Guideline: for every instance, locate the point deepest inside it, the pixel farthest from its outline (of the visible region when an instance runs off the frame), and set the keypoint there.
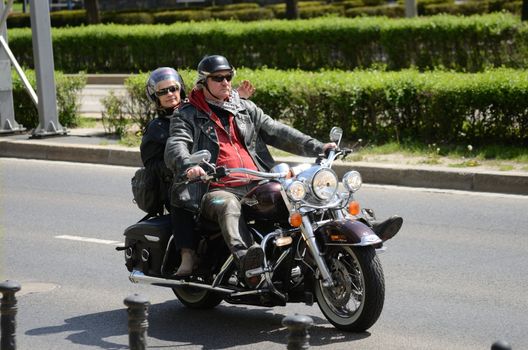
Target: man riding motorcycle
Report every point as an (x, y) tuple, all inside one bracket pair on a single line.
[(236, 133)]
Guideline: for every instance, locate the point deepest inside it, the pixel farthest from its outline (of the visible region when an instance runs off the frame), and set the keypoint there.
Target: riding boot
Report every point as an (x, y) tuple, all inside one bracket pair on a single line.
[(187, 263)]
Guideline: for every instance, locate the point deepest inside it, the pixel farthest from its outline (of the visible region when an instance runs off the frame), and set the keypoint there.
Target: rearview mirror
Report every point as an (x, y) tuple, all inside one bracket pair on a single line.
[(335, 134)]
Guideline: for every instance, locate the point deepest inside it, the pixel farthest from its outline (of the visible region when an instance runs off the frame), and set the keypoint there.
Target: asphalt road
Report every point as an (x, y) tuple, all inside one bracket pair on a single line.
[(456, 275)]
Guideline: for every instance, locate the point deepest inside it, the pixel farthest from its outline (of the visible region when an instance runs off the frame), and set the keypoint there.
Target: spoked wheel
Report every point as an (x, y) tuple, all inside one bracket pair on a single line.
[(196, 298), (355, 302)]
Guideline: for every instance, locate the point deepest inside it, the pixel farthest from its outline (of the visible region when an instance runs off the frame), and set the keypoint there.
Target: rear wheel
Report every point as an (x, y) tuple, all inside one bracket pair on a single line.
[(197, 298), (355, 302)]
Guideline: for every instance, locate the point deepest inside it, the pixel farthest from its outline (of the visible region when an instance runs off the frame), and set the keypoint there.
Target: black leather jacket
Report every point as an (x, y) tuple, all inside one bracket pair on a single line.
[(192, 130), (152, 150)]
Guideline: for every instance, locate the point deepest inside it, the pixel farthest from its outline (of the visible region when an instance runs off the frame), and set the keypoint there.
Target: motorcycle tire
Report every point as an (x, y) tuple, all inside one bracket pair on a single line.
[(196, 298), (356, 300)]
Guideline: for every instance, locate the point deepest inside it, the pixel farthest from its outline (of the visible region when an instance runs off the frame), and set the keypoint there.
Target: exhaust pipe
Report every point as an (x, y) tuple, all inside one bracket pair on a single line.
[(139, 277)]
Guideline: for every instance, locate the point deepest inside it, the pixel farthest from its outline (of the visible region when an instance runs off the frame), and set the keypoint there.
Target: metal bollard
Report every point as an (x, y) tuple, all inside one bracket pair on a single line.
[(8, 310), (501, 345), (137, 321), (298, 337)]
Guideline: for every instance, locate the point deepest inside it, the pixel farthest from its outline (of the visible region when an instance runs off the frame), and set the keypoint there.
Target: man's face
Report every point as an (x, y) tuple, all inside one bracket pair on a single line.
[(168, 93), (219, 84)]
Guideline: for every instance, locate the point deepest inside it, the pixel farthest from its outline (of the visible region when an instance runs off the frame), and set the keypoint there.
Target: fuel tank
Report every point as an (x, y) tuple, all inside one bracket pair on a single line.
[(264, 203)]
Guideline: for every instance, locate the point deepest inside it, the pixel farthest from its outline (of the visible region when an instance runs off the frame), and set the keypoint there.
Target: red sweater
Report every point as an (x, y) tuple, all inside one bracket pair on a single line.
[(232, 152)]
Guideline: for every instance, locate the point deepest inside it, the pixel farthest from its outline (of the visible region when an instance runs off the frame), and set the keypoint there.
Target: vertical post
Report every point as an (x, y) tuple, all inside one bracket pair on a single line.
[(44, 69), (7, 109), (410, 8), (8, 309), (501, 345), (137, 321), (298, 337)]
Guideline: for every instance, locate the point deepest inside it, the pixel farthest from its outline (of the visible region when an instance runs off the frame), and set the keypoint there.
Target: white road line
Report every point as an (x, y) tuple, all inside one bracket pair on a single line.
[(89, 240)]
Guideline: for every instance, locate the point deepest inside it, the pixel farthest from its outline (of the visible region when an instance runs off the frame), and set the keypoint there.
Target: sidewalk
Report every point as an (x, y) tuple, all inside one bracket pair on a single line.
[(93, 146)]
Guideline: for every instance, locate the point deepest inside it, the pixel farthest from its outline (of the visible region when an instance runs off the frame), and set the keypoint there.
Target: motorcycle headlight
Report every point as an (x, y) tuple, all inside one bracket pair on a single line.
[(324, 184), (352, 181), (296, 191)]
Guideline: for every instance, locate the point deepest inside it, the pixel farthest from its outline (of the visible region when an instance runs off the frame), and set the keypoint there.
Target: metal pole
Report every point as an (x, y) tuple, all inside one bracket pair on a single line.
[(137, 321), (410, 8), (298, 337), (8, 309), (44, 69), (25, 81), (8, 7), (7, 109)]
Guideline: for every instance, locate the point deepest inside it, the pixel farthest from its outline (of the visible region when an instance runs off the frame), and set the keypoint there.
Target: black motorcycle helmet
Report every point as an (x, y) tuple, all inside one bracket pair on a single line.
[(160, 74), (212, 64)]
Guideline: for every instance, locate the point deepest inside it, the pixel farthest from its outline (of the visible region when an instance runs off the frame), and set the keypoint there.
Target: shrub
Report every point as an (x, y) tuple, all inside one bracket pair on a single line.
[(374, 2), (68, 90), (235, 7), (351, 4), (459, 43), (65, 18), (113, 117), (170, 17), (127, 17), (392, 11), (465, 9), (139, 108), (243, 15), (489, 107), (514, 6)]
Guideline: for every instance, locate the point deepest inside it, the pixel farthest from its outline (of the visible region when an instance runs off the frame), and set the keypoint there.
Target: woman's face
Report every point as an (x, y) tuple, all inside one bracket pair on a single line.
[(168, 93)]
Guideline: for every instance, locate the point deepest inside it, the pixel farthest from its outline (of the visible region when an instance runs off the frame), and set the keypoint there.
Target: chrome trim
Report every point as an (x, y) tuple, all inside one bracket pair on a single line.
[(139, 277), (218, 279), (309, 237), (326, 206), (381, 249), (152, 238), (145, 255), (261, 174)]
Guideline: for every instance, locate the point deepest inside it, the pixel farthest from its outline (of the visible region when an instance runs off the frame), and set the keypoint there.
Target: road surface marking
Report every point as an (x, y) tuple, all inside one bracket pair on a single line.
[(89, 240)]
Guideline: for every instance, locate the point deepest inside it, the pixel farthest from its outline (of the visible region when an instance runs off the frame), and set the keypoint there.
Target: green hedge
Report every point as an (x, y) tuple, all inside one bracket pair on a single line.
[(68, 90), (254, 12), (393, 11), (459, 43), (441, 107)]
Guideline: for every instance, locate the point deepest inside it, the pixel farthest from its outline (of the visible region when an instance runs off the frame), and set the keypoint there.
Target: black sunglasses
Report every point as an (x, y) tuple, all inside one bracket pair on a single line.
[(220, 78), (165, 91)]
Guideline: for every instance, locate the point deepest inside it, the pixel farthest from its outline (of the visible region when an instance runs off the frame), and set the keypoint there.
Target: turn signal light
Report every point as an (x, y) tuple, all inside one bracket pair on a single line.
[(295, 219), (353, 208)]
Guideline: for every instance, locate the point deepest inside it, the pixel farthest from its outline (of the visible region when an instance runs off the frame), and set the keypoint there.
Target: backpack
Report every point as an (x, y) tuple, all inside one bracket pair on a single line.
[(147, 191)]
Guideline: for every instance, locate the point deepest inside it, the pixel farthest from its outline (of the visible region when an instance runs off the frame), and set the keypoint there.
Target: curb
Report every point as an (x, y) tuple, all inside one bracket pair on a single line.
[(443, 178), (107, 155)]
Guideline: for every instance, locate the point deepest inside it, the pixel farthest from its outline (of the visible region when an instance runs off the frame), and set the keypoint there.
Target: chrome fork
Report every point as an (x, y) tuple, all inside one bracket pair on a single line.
[(309, 237)]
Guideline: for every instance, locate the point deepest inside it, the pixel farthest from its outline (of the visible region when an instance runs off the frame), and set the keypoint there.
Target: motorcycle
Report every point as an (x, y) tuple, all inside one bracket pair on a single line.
[(319, 246)]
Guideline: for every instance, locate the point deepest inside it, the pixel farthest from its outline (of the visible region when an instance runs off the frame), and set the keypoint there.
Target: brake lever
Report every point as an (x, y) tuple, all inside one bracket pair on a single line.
[(211, 175)]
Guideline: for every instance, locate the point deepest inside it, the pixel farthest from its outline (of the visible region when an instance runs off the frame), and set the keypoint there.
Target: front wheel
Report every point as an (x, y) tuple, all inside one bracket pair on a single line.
[(355, 301), (196, 298)]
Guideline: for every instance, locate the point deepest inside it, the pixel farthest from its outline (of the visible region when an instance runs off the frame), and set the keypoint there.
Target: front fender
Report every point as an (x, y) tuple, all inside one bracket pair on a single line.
[(346, 232)]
